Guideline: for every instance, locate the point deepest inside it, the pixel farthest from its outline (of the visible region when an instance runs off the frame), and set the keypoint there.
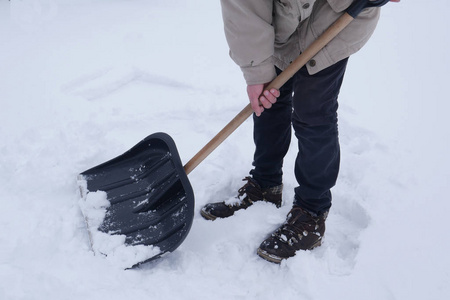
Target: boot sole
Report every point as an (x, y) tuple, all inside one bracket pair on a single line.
[(269, 257), (277, 259), (207, 215)]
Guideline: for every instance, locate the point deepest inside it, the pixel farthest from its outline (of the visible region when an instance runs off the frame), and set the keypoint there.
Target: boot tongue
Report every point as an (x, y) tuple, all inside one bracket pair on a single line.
[(298, 214)]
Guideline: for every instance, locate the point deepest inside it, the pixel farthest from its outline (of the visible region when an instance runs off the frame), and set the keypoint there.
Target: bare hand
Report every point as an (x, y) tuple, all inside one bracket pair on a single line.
[(261, 99)]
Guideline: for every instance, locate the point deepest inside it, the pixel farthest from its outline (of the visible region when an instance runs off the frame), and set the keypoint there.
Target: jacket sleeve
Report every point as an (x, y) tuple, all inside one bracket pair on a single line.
[(250, 36)]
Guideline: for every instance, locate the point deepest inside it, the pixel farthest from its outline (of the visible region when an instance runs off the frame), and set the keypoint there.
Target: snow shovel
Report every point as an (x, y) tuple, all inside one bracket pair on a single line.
[(149, 200)]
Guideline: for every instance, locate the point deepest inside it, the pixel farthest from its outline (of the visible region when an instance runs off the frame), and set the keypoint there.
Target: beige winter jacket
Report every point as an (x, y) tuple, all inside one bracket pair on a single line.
[(264, 33)]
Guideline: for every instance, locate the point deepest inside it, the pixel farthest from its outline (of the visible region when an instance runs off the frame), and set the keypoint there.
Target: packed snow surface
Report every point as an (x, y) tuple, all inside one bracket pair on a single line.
[(83, 81)]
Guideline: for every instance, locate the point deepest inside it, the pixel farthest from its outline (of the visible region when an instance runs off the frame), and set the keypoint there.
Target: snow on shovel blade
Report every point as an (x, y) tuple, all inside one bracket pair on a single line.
[(149, 198)]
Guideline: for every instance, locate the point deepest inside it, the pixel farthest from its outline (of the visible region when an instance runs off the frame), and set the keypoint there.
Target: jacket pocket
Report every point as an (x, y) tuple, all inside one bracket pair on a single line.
[(346, 43)]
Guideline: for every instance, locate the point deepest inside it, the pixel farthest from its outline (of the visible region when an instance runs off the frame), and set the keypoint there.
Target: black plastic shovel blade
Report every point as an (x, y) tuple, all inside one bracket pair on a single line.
[(151, 199)]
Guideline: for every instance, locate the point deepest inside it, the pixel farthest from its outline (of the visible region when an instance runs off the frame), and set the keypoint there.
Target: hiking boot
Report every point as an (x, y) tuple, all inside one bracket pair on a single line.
[(247, 195), (301, 231)]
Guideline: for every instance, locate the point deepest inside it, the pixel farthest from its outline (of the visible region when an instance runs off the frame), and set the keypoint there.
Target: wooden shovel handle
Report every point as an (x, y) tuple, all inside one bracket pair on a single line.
[(277, 83)]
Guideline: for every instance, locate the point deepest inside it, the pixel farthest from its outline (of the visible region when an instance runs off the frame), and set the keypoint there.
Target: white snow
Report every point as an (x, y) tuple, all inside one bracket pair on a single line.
[(93, 206), (83, 81)]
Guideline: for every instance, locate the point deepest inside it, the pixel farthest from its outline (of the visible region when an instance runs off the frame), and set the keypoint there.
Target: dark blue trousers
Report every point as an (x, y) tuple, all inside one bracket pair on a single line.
[(309, 103)]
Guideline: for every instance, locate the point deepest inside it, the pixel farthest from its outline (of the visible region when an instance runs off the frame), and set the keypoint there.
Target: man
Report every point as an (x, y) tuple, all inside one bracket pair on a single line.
[(264, 36)]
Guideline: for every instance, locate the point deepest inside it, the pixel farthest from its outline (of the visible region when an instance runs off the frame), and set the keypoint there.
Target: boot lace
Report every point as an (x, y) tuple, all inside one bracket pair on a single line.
[(299, 224)]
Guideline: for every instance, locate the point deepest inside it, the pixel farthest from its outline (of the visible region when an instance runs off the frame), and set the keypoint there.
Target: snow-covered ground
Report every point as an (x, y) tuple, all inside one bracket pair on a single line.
[(83, 81)]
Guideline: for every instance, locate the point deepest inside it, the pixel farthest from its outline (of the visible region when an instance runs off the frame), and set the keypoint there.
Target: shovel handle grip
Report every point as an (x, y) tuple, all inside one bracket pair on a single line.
[(282, 78), (357, 6)]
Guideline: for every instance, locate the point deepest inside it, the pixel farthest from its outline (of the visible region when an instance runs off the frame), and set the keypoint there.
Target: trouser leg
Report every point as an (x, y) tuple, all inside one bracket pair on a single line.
[(315, 124), (272, 136)]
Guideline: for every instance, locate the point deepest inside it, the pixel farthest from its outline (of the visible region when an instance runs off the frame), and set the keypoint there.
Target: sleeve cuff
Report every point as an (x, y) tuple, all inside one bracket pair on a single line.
[(260, 74)]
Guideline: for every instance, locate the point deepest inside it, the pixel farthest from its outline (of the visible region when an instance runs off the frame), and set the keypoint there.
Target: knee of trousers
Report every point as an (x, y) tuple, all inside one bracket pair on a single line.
[(307, 116)]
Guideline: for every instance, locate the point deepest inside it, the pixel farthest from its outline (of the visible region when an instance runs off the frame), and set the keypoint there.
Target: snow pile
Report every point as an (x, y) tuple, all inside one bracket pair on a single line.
[(112, 246)]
